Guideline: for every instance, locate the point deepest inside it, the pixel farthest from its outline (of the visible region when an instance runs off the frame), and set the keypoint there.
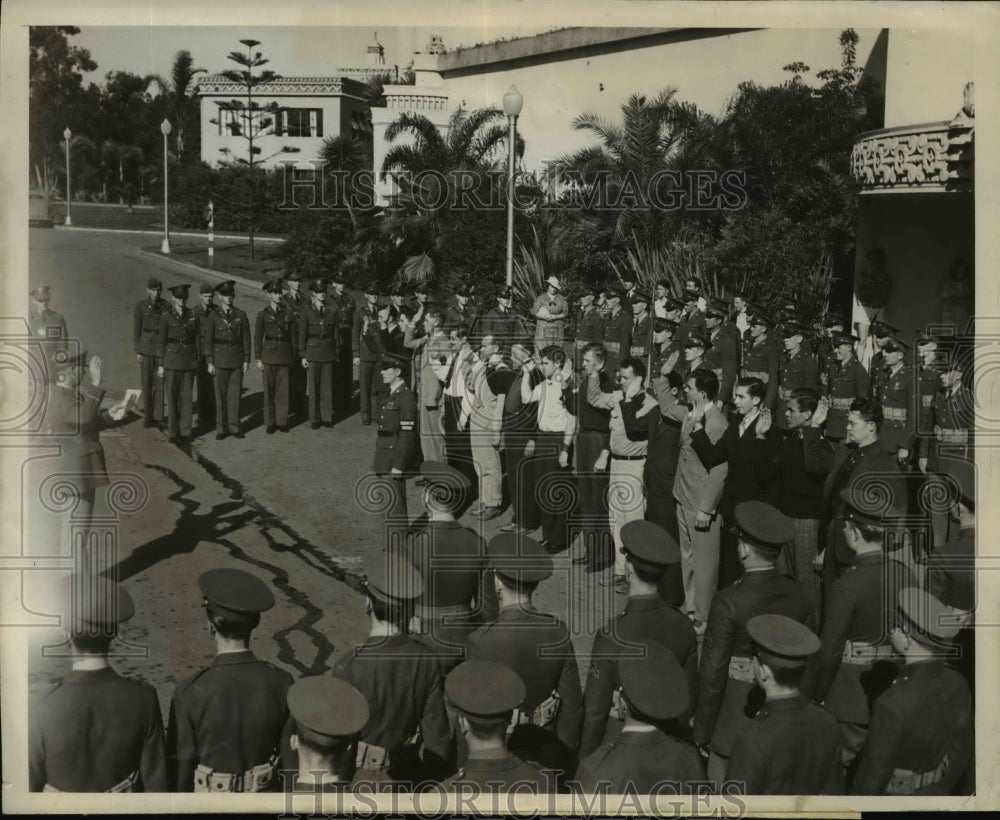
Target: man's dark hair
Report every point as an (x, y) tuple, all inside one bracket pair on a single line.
[(870, 533), (638, 366), (869, 410), (787, 676), (488, 728), (806, 399), (336, 747), (599, 351), (234, 628), (522, 587), (646, 573), (706, 382), (554, 353), (755, 387), (92, 644)]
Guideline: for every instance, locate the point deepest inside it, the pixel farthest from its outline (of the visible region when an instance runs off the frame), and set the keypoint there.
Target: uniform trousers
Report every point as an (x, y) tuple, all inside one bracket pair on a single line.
[(180, 391), (730, 568), (551, 485), (343, 379), (228, 388), (396, 515), (205, 385), (519, 481), (431, 433), (319, 377), (626, 500), (593, 490), (366, 381), (853, 736), (716, 770), (458, 447), (661, 508), (152, 389), (796, 559), (486, 460), (699, 561), (297, 386), (275, 379)]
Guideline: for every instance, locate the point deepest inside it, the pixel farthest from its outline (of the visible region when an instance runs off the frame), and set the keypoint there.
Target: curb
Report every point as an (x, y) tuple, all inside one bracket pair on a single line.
[(221, 276), (172, 233)]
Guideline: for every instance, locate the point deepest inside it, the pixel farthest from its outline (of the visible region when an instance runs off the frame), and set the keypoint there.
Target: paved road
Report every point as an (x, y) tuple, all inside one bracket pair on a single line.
[(284, 507)]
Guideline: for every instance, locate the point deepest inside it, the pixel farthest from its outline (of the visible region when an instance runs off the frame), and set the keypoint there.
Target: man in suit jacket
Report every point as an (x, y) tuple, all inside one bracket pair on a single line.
[(746, 453), (857, 457)]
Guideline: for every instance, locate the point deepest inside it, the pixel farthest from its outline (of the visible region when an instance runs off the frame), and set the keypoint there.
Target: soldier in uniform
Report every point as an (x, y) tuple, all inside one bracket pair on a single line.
[(226, 721), (696, 345), (364, 336), (855, 659), (723, 356), (554, 699), (651, 697), (641, 335), (228, 355), (847, 380), (407, 733), (692, 319), (484, 695), (204, 383), (792, 746), (397, 446), (96, 731), (319, 331), (296, 301), (647, 618), (458, 313), (726, 672), (898, 397), (617, 329), (798, 368), (833, 324), (589, 323), (664, 346), (178, 348), (145, 337), (327, 716), (881, 333), (343, 373), (761, 357), (49, 327), (433, 351), (451, 559), (505, 326), (274, 350), (921, 737)]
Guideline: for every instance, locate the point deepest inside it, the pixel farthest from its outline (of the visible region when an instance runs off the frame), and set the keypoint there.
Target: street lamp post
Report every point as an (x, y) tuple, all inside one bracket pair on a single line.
[(165, 128), (512, 104), (66, 135)]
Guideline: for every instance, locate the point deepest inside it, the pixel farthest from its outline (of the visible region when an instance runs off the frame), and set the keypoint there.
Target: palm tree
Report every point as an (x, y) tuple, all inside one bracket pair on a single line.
[(181, 97)]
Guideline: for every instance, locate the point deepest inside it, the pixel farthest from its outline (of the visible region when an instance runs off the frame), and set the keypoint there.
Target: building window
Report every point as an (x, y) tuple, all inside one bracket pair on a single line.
[(300, 122)]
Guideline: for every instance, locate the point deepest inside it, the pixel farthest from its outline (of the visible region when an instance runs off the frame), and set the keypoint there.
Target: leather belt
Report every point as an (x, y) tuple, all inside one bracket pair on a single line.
[(227, 344), (431, 612), (127, 785), (256, 779), (627, 458), (841, 404), (894, 413), (371, 757), (275, 339), (784, 393), (543, 714), (863, 653), (904, 781), (953, 435), (762, 375), (741, 669)]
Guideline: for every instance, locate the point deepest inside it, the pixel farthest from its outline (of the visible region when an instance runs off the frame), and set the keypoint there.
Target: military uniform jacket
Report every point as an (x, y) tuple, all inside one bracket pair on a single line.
[(458, 316), (951, 572), (273, 336), (47, 324), (641, 341), (645, 618), (504, 325), (792, 746), (318, 334), (898, 397), (179, 341), (401, 680), (952, 426), (515, 639), (228, 717), (922, 719), (345, 307), (364, 333), (723, 705), (72, 417), (228, 339), (93, 731), (763, 361), (617, 331), (695, 320), (723, 358), (397, 445), (860, 603), (797, 371), (146, 326), (845, 385), (877, 373), (451, 559), (589, 327), (498, 773), (640, 762), (203, 315)]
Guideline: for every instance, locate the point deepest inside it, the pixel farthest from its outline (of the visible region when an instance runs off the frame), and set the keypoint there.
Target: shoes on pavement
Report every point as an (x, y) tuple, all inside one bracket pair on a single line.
[(283, 428), (330, 425), (147, 424), (270, 429), (171, 439), (366, 422), (238, 435), (315, 425), (489, 513), (220, 436)]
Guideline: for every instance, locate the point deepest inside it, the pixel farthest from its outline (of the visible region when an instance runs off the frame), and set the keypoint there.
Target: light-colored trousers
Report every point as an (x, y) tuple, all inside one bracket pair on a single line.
[(626, 501), (486, 460), (431, 433), (699, 561)]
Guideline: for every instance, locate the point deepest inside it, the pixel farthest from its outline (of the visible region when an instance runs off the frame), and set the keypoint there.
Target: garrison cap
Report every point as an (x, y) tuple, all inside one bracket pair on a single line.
[(613, 293), (639, 295), (236, 595), (41, 293), (154, 284), (832, 319), (672, 303), (654, 685), (484, 689), (390, 359), (273, 286), (883, 329), (295, 276), (318, 286), (518, 559), (840, 338), (94, 605), (756, 316), (895, 345), (439, 474), (690, 295), (763, 525), (327, 706), (648, 545), (781, 641), (180, 291), (227, 288), (392, 578), (922, 612), (789, 329), (661, 325), (697, 339), (717, 307), (207, 288)]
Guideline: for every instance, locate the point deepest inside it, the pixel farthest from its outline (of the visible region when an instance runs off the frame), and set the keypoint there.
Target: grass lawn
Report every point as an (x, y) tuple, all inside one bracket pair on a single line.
[(87, 215), (230, 257)]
